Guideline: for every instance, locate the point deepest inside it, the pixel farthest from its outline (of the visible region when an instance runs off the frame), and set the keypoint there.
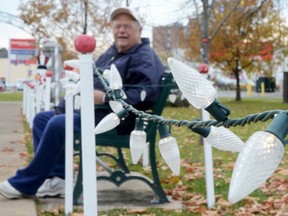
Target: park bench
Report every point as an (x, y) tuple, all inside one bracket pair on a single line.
[(112, 139)]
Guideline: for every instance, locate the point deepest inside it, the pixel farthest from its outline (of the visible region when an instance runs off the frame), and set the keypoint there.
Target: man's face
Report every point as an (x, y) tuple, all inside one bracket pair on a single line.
[(126, 32)]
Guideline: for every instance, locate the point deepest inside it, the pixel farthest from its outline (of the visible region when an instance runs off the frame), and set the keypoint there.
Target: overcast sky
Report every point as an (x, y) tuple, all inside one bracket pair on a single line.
[(156, 12)]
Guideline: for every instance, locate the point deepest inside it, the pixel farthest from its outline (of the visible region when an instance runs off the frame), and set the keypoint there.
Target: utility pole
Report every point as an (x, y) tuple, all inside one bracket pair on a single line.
[(205, 40), (128, 3)]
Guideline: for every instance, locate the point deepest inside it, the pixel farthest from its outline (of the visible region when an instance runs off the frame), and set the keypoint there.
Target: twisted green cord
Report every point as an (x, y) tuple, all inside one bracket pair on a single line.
[(252, 118)]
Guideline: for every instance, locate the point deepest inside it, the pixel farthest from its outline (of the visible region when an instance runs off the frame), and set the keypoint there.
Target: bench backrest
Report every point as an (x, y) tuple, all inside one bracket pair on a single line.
[(111, 138), (165, 88), (157, 109)]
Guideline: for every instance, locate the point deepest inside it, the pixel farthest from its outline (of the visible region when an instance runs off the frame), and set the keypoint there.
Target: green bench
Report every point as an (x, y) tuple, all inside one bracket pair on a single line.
[(112, 139)]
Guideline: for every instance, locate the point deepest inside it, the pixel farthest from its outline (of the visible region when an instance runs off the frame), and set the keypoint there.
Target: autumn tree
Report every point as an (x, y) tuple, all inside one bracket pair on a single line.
[(236, 35), (63, 20), (200, 27), (249, 40), (3, 53)]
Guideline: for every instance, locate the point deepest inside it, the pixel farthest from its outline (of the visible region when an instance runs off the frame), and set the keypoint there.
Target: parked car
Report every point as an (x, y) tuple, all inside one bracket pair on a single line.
[(2, 86), (19, 85)]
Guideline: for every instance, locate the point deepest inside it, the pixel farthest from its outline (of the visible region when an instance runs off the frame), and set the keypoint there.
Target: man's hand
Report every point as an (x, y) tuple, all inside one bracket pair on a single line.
[(99, 97)]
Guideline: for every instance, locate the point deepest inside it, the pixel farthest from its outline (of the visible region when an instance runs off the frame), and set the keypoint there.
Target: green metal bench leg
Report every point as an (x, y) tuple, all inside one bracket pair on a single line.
[(78, 189), (121, 161)]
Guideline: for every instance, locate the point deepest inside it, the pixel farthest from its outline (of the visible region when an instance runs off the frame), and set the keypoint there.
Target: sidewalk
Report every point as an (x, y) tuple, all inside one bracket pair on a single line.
[(132, 195), (232, 94), (11, 145)]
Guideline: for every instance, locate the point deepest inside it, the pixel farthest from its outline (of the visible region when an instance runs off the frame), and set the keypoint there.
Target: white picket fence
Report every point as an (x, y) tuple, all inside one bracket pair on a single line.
[(36, 98)]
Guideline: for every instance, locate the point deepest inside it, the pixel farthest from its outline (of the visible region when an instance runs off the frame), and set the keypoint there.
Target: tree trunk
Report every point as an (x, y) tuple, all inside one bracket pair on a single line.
[(238, 90)]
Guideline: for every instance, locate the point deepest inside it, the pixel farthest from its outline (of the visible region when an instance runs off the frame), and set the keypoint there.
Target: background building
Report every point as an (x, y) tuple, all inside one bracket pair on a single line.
[(168, 40), (17, 71)]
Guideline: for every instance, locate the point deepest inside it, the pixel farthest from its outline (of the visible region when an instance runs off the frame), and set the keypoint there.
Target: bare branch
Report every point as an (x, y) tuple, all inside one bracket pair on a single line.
[(224, 20), (255, 10)]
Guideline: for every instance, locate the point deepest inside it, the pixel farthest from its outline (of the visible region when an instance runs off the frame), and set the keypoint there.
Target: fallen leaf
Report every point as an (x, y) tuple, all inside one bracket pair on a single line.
[(221, 201), (24, 154), (7, 149), (137, 211)]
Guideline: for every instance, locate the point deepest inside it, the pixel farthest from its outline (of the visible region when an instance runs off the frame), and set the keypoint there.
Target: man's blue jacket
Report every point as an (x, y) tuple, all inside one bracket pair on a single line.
[(140, 69)]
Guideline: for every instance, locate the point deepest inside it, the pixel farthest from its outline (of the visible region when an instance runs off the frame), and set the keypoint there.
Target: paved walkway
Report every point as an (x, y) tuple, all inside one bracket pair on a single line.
[(232, 94), (12, 147)]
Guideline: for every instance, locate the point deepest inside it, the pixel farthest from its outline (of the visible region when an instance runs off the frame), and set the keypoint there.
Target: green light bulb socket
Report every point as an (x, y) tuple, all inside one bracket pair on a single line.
[(279, 125), (218, 111), (122, 114), (204, 132), (163, 131), (139, 124)]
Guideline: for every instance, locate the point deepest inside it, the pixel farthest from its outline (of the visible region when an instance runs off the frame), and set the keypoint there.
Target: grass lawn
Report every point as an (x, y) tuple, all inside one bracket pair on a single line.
[(190, 187), (11, 96)]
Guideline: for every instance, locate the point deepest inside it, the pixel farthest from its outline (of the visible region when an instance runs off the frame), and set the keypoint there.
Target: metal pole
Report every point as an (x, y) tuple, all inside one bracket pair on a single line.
[(128, 3)]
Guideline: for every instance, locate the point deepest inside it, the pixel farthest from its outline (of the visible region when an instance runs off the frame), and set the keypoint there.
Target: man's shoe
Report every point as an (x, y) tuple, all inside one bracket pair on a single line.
[(53, 187), (8, 191)]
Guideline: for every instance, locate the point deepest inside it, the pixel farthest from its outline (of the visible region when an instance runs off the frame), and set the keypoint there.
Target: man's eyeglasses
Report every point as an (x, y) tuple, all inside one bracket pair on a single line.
[(125, 26)]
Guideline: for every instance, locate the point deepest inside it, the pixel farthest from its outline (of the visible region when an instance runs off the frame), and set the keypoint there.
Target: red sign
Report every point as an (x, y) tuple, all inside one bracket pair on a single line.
[(204, 40), (20, 44), (22, 51)]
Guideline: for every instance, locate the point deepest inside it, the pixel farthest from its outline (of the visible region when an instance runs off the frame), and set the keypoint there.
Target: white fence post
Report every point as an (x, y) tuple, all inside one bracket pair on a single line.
[(47, 94), (69, 123), (87, 135), (208, 167)]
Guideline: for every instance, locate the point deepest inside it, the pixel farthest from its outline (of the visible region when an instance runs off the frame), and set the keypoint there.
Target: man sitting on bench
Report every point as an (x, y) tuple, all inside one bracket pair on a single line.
[(138, 66)]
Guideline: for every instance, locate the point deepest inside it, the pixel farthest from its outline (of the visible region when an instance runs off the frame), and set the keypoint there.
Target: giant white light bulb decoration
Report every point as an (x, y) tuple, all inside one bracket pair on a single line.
[(72, 75), (77, 102), (115, 106), (109, 122), (259, 158), (106, 74), (70, 88), (113, 119), (114, 82), (137, 141), (73, 63), (77, 87), (197, 90), (221, 138), (64, 81), (143, 94), (114, 78), (169, 149)]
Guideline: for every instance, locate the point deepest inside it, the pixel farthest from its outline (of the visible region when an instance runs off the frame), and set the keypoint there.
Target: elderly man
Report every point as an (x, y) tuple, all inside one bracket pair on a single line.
[(138, 66)]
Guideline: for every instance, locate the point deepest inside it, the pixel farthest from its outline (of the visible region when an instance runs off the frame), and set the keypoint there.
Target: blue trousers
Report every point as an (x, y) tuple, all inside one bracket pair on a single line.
[(49, 157)]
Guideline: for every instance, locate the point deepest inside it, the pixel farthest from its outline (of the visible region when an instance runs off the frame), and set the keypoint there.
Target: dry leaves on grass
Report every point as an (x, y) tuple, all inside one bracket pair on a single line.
[(275, 188), (142, 212)]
